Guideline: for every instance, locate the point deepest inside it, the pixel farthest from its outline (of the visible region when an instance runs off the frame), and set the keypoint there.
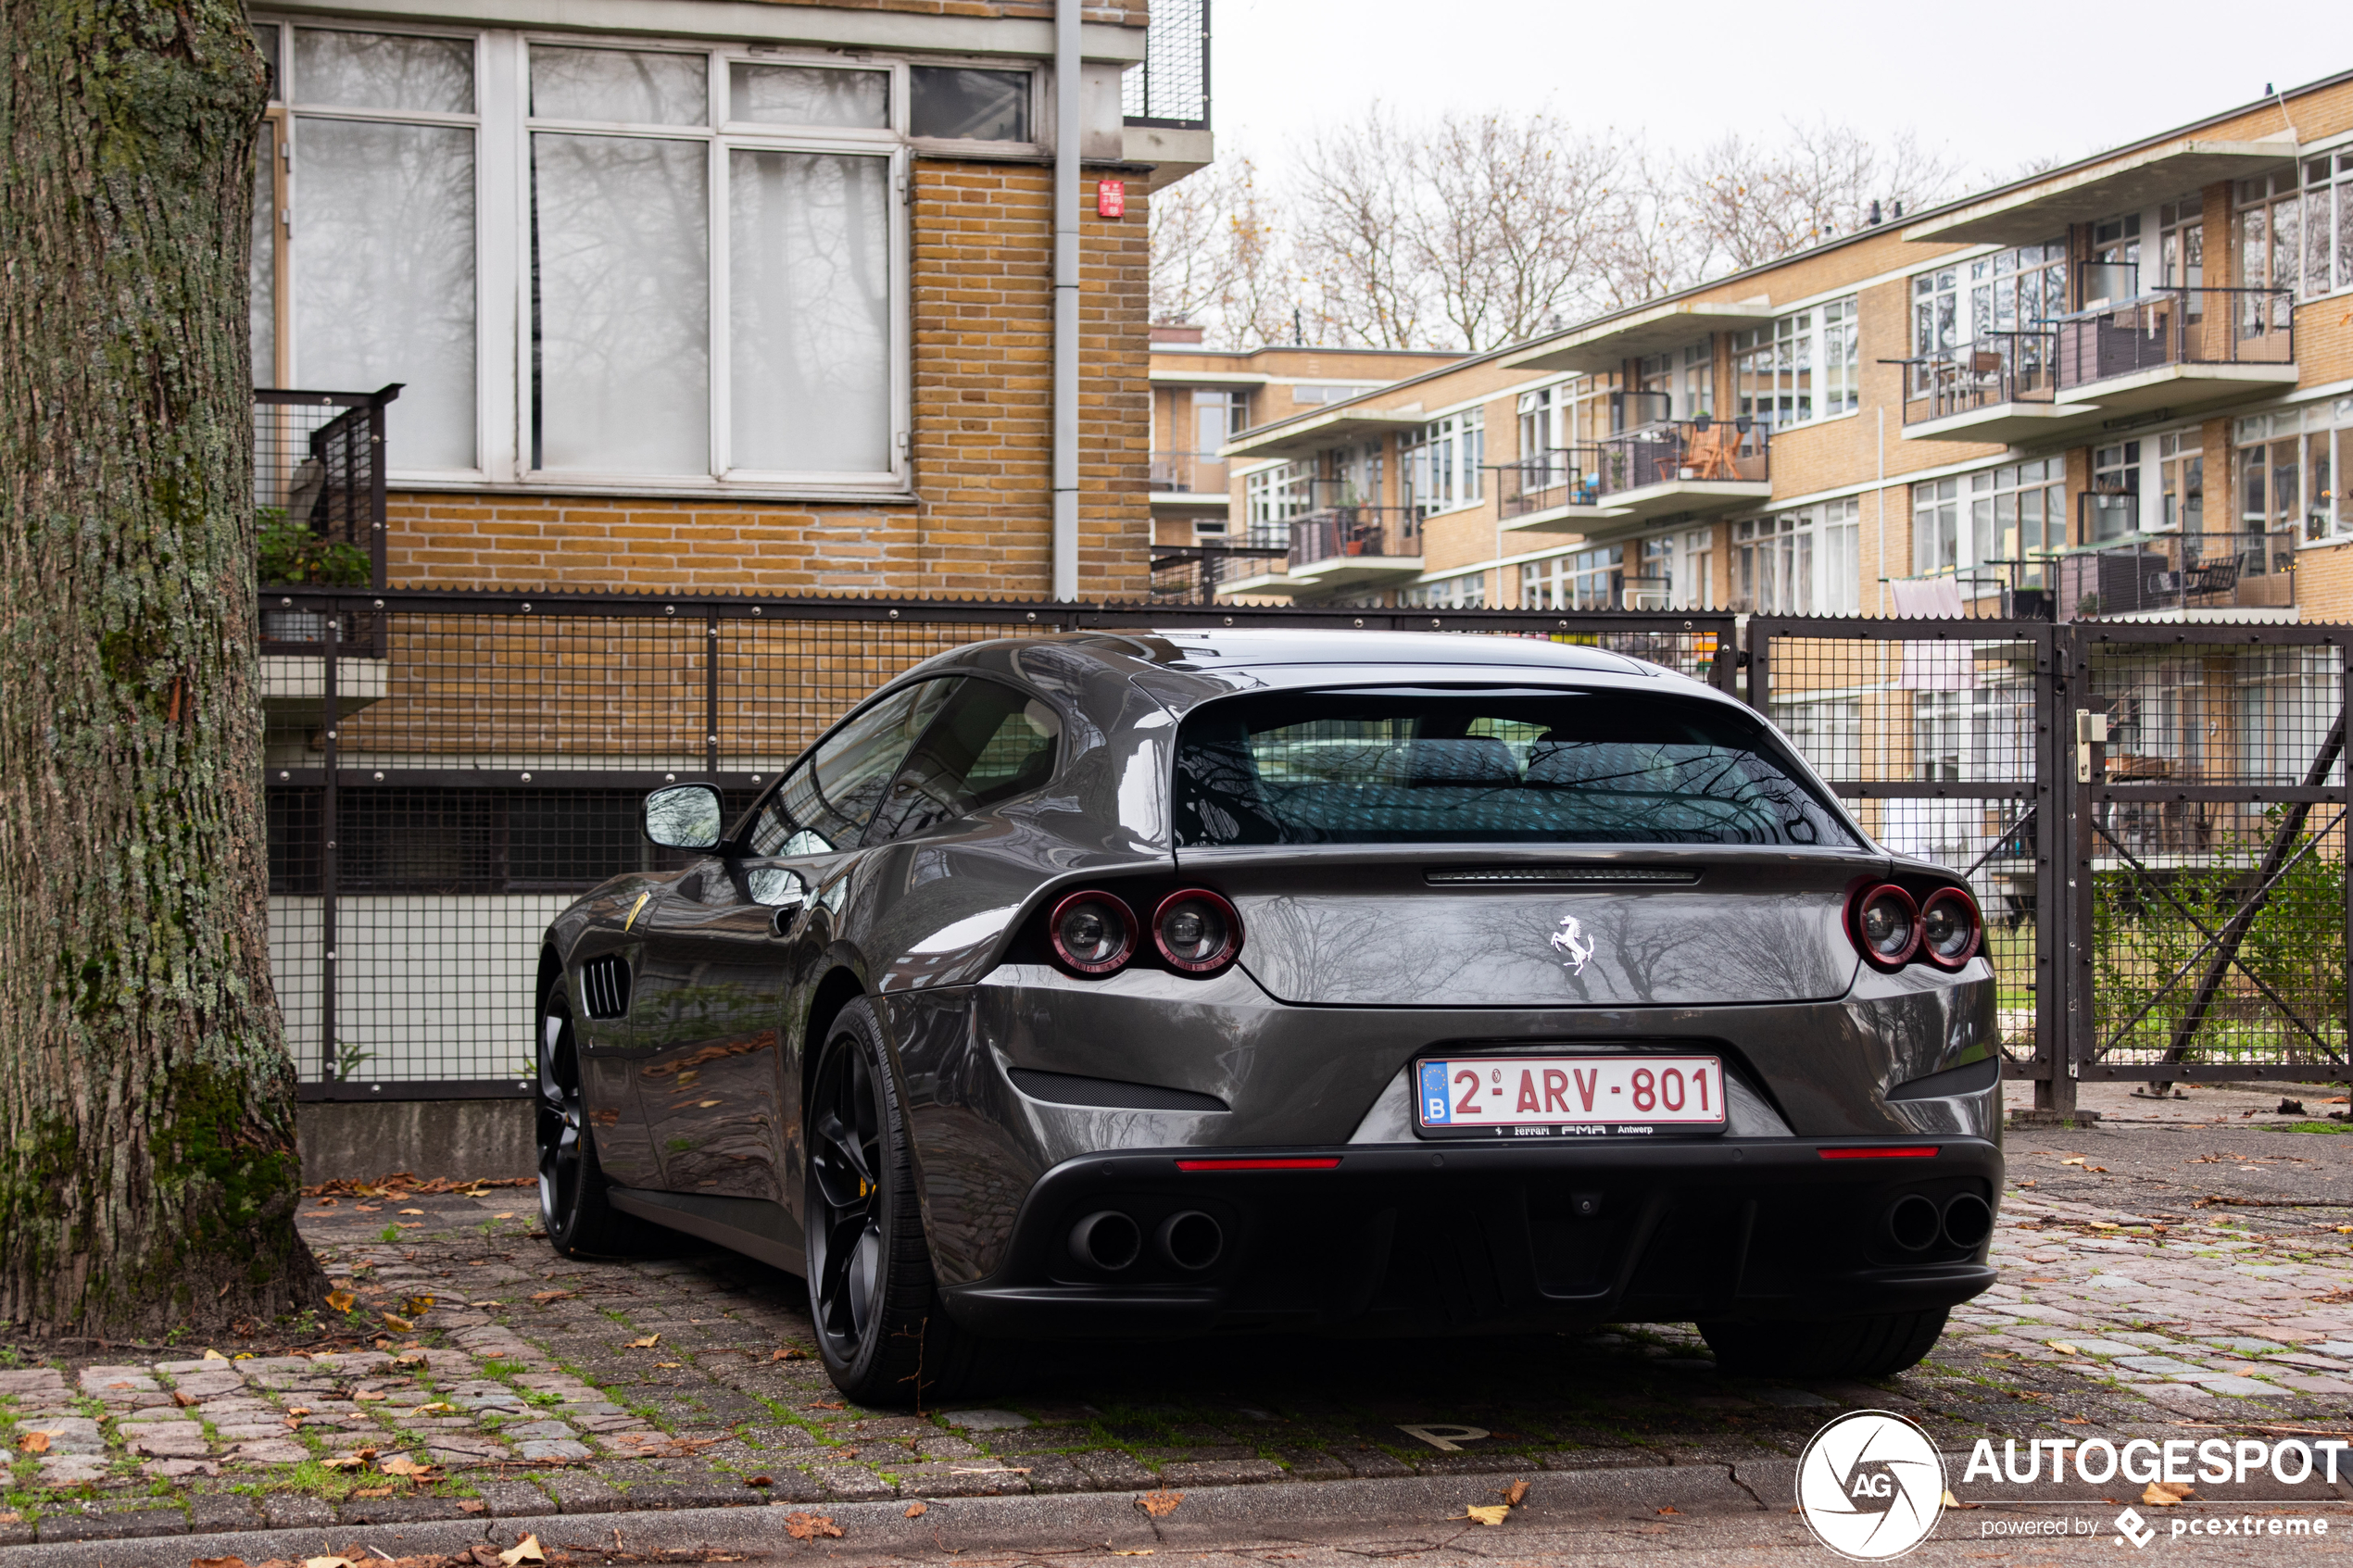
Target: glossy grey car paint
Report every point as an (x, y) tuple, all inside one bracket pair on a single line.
[(1356, 963)]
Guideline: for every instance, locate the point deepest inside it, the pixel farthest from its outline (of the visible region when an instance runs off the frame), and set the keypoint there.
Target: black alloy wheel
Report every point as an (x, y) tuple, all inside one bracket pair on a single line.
[(884, 1335), (579, 1221)]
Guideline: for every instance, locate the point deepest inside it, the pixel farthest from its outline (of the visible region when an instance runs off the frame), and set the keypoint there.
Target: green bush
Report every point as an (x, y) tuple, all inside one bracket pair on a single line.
[(291, 553)]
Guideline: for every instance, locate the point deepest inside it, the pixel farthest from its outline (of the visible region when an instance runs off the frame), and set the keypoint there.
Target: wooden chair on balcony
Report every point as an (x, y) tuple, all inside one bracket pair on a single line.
[(1711, 453)]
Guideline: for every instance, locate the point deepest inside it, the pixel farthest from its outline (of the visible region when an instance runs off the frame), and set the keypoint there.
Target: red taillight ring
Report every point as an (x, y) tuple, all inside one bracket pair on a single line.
[(1233, 949), (1070, 961), (1976, 928), (1864, 900)]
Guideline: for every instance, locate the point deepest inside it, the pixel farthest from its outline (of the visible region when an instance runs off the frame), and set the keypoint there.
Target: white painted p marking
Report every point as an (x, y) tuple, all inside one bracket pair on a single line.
[(1445, 1438)]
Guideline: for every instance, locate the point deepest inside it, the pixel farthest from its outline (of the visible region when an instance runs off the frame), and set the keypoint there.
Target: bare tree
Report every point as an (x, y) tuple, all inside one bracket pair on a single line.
[(1745, 203), (1512, 221), (1356, 205), (1219, 261)]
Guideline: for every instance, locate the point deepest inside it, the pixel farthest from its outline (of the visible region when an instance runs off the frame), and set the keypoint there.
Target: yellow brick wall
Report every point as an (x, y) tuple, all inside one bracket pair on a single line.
[(981, 520)]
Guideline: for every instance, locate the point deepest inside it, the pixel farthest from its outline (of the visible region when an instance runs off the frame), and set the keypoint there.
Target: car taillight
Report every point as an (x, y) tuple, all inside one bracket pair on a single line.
[(1093, 932), (1197, 931), (1951, 928), (1885, 924)]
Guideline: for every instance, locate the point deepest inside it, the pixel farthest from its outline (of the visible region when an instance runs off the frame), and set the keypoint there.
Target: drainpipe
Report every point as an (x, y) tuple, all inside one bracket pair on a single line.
[(1066, 133)]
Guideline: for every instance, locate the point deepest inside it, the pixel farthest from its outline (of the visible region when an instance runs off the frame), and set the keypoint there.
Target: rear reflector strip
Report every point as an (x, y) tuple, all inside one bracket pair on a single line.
[(1258, 1165), (1906, 1151)]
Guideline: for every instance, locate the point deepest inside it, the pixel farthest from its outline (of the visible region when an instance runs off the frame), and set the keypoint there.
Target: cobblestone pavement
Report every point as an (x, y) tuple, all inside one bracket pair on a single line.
[(2153, 1275)]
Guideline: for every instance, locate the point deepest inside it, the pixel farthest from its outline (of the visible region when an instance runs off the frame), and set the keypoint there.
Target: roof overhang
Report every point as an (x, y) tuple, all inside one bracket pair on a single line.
[(1162, 376), (1316, 432), (2126, 184), (1601, 345)]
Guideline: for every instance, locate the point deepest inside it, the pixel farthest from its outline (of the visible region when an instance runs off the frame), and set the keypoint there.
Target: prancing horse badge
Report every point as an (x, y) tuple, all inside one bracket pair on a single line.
[(1574, 948)]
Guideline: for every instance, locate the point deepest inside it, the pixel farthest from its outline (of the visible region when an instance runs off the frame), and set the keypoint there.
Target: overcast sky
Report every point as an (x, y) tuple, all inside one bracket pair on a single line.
[(1992, 85)]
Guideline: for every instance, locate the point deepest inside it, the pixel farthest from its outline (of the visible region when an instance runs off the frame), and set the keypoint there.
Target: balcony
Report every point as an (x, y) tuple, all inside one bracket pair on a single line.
[(1338, 547), (2186, 576), (2176, 350), (1691, 468), (1188, 480)]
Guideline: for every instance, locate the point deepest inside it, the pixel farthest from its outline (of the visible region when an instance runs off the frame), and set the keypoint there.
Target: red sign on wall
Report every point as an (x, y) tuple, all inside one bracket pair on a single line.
[(1110, 198)]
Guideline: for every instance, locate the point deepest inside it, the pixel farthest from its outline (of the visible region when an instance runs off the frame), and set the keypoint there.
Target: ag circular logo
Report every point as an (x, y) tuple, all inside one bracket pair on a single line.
[(1870, 1486)]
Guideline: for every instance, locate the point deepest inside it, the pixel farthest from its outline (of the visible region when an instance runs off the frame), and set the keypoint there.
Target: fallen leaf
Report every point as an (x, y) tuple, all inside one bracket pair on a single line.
[(365, 1394), (439, 1407), (2166, 1494), (825, 1405), (412, 1359), (371, 1492), (1490, 1513), (760, 1481), (790, 1352), (1515, 1493), (502, 1216), (1670, 1510), (808, 1526), (412, 1210), (33, 1443), (342, 1300), (2104, 1225), (2075, 1421), (2077, 1160), (668, 1367), (471, 1505), (417, 1306), (327, 1562), (403, 1324), (182, 1400), (1160, 1504), (525, 1550), (917, 1510), (216, 1563), (544, 1297), (403, 1466), (648, 1343), (212, 1356), (2063, 1346), (1948, 1500)]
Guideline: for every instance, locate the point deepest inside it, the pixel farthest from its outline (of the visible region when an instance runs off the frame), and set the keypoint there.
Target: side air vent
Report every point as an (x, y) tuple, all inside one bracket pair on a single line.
[(1560, 875), (1107, 1094), (604, 986)]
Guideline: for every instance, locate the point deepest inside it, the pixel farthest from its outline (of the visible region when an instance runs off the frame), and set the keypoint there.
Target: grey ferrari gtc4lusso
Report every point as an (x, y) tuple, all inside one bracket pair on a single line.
[(1212, 982)]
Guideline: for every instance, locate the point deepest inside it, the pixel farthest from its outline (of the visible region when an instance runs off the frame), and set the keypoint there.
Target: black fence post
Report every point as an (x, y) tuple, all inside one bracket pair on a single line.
[(711, 690), (2052, 859), (2070, 929), (330, 708)]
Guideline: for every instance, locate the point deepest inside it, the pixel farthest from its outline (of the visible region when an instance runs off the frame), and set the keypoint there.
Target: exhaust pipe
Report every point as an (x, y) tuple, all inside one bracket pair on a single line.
[(1107, 1240), (1967, 1221), (1914, 1223), (1191, 1240)]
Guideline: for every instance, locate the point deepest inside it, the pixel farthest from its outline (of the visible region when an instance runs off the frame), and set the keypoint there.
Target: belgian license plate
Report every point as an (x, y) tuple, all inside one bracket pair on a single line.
[(1536, 1097)]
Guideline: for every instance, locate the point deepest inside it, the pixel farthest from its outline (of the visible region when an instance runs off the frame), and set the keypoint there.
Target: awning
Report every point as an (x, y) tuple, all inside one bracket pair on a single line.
[(1318, 432), (2132, 183), (1601, 345)]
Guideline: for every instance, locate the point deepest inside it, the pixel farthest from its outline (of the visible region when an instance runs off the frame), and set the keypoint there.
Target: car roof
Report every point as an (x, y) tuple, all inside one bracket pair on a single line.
[(1205, 649)]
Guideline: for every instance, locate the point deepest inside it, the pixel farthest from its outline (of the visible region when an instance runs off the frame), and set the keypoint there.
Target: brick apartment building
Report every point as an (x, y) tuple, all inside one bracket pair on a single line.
[(2121, 387), (747, 295)]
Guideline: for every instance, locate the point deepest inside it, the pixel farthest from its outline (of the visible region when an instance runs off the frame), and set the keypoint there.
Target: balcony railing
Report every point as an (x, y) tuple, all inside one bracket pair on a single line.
[(318, 499), (1992, 370), (1199, 473), (1536, 482), (2176, 327), (1337, 531), (2151, 573), (1670, 451)]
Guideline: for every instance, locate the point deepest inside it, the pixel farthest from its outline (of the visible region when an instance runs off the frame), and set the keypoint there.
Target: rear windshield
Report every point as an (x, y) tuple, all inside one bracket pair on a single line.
[(1515, 767)]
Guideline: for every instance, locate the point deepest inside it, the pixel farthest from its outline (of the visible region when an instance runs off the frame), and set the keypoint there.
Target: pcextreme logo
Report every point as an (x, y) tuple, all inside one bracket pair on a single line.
[(1870, 1486)]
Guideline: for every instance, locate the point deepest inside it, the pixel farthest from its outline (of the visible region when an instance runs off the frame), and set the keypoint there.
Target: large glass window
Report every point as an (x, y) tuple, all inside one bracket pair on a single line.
[(1339, 767), (1996, 518), (2010, 291), (1592, 579), (1464, 591), (1803, 367), (1805, 562), (825, 801), (658, 262), (1442, 462)]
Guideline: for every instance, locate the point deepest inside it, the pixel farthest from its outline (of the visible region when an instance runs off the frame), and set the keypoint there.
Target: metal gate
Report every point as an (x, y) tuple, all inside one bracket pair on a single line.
[(446, 771), (2152, 815)]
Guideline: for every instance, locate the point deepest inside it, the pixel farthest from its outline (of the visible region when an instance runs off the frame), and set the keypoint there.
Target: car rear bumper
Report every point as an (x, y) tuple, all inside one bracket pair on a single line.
[(1455, 1237)]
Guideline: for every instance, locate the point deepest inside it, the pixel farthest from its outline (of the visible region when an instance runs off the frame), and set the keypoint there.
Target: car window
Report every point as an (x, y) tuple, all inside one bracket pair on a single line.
[(825, 801), (1526, 766), (990, 744)]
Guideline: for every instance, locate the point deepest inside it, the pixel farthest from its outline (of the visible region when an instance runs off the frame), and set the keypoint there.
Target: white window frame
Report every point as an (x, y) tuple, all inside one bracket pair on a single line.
[(502, 228), (1464, 590), (1819, 349), (1820, 553)]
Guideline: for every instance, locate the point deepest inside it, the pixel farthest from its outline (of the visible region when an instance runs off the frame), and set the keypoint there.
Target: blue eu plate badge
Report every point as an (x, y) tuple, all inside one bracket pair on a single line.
[(1436, 1107)]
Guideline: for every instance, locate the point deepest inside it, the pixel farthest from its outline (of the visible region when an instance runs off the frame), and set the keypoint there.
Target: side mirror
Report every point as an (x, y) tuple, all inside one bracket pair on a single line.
[(684, 817)]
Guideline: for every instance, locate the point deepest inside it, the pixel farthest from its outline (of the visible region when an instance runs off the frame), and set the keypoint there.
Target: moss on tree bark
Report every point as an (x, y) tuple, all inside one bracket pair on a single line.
[(147, 1167)]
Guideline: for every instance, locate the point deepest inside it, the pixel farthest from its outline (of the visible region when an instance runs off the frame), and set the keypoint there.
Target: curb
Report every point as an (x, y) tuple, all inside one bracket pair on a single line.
[(1068, 1519)]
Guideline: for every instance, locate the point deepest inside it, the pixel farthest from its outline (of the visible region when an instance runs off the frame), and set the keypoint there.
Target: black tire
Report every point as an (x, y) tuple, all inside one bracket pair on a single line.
[(579, 1221), (1872, 1347), (882, 1332)]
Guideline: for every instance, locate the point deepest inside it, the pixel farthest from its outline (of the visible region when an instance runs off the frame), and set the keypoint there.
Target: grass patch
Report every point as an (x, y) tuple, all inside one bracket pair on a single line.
[(502, 1369), (2319, 1127)]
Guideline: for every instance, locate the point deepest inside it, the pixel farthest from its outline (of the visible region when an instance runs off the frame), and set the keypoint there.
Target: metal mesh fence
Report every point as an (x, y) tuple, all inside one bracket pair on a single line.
[(1171, 87), (2216, 850), (468, 764)]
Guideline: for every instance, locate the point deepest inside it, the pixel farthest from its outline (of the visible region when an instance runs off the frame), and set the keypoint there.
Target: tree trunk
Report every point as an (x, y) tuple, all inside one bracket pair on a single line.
[(147, 1164)]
